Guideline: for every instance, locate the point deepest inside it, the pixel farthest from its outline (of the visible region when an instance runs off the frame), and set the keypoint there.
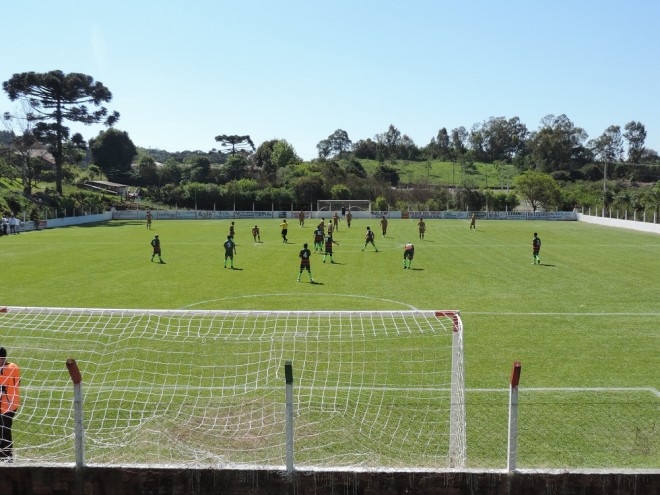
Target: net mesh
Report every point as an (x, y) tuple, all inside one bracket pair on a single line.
[(349, 204), (207, 388)]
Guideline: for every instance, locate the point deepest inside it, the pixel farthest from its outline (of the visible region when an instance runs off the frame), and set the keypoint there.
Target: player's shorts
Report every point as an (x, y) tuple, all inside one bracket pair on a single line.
[(229, 254), (305, 266), (408, 255)]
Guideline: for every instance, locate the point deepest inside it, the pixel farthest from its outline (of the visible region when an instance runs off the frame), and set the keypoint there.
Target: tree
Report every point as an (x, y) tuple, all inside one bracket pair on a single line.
[(441, 145), (263, 160), (55, 98), (388, 143), (459, 137), (147, 171), (501, 139), (113, 151), (636, 136), (199, 169), (387, 174), (354, 167), (235, 143), (26, 157), (309, 188), (336, 144), (234, 169), (608, 149), (283, 154), (366, 149), (340, 191), (171, 172), (558, 145), (538, 189)]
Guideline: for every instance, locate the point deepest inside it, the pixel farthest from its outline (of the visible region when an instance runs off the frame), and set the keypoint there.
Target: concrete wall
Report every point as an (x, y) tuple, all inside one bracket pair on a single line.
[(144, 481), (623, 224)]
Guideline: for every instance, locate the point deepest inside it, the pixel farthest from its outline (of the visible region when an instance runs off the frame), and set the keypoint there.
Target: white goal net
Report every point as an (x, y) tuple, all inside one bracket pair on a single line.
[(206, 388), (332, 205)]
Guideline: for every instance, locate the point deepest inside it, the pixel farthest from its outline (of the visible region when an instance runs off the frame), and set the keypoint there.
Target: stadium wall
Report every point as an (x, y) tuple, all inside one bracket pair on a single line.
[(623, 224), (226, 215), (182, 481)]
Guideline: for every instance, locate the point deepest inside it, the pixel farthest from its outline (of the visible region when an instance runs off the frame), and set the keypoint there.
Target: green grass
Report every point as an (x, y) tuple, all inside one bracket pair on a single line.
[(484, 175), (588, 317)]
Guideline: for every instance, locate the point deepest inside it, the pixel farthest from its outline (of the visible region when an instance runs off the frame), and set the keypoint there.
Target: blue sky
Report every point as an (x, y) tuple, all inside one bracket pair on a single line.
[(182, 73)]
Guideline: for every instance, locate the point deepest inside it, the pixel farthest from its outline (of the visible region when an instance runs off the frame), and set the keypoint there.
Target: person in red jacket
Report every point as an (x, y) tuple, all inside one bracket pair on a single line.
[(10, 382)]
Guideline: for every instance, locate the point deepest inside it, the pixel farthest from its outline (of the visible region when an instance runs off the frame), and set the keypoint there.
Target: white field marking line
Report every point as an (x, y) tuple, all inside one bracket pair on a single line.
[(285, 294), (251, 388), (499, 313), (651, 390)]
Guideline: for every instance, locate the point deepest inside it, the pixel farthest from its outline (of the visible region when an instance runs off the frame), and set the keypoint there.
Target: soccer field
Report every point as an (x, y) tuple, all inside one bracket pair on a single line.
[(584, 323)]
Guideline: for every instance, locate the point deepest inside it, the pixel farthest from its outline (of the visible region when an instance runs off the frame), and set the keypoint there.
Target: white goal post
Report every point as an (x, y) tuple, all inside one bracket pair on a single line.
[(381, 389), (336, 205)]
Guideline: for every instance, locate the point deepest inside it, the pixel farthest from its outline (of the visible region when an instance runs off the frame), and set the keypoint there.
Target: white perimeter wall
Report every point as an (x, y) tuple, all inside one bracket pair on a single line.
[(624, 224), (189, 215)]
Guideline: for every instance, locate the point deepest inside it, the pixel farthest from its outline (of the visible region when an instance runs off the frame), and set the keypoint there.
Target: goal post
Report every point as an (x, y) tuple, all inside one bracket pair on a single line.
[(336, 205), (381, 389)]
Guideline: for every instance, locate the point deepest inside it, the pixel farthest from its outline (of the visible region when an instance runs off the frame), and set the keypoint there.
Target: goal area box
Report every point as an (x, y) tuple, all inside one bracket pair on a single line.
[(382, 389)]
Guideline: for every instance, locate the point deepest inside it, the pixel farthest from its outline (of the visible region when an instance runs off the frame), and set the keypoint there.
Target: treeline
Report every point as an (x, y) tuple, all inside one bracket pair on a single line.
[(39, 147)]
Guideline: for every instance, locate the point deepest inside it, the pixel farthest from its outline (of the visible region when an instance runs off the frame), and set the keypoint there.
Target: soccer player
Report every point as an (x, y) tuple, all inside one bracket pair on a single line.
[(422, 228), (369, 239), (255, 234), (155, 244), (149, 218), (408, 254), (383, 225), (230, 251), (232, 231), (349, 217), (10, 382), (473, 221), (536, 248), (335, 221), (301, 218), (318, 240), (285, 230), (329, 241), (305, 256)]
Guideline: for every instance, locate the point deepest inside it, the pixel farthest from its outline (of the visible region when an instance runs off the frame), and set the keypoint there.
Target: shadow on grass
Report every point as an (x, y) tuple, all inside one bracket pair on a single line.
[(113, 223)]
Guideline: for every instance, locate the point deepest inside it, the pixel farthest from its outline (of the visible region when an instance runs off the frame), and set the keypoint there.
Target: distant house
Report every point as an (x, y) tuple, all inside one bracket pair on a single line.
[(120, 190)]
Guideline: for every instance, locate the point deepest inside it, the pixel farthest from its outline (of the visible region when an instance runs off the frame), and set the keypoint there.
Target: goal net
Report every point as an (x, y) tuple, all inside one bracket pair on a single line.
[(207, 388), (332, 205)]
